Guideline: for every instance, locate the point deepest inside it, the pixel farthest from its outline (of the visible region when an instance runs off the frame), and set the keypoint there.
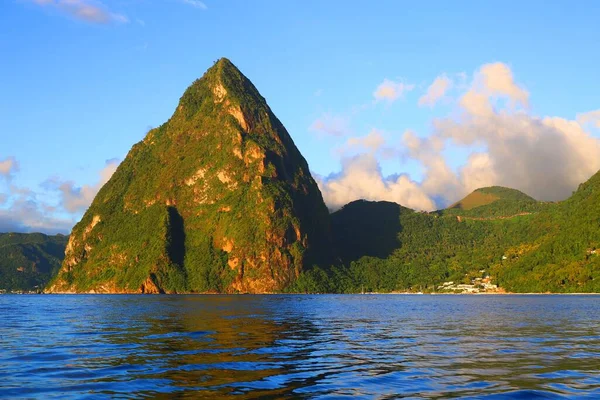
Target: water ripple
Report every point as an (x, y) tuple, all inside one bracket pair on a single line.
[(300, 347)]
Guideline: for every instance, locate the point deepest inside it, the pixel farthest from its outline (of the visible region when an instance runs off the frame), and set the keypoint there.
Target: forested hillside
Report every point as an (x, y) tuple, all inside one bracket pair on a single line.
[(519, 243), (28, 261)]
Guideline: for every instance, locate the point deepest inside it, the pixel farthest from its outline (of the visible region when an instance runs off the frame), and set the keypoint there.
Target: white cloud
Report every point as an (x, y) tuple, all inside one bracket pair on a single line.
[(476, 103), (195, 3), (29, 215), (78, 199), (480, 171), (361, 178), (497, 80), (439, 177), (492, 82), (545, 157), (22, 211), (390, 91), (373, 141), (26, 210), (85, 10), (330, 124), (590, 117), (8, 166), (436, 91)]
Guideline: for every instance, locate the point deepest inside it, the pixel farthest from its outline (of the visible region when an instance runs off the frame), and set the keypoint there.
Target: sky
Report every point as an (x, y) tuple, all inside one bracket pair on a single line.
[(414, 102)]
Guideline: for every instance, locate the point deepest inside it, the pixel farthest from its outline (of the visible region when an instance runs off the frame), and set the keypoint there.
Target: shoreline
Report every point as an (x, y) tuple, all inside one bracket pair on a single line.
[(311, 294)]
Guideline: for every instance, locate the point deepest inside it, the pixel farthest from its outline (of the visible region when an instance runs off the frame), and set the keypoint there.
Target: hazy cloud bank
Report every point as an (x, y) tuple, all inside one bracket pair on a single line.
[(543, 156), (24, 209)]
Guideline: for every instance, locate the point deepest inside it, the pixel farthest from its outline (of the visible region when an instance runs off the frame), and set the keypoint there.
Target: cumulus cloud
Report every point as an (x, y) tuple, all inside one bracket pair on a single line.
[(497, 80), (439, 178), (590, 117), (390, 91), (22, 211), (361, 178), (77, 199), (436, 91), (546, 157), (85, 10), (8, 166), (480, 171), (29, 215), (330, 124), (492, 82), (373, 141), (25, 210)]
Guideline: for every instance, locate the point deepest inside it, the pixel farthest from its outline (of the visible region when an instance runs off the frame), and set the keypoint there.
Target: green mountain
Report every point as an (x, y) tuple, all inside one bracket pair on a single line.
[(29, 260), (565, 258), (367, 228), (495, 201), (217, 199), (521, 244), (386, 247)]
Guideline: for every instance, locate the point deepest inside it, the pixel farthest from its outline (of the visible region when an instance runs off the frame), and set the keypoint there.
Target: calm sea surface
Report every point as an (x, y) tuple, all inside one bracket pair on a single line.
[(365, 346)]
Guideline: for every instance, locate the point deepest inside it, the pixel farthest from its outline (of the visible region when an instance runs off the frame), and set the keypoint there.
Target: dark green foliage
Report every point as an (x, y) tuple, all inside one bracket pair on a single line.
[(525, 245), (364, 228), (28, 261), (565, 257)]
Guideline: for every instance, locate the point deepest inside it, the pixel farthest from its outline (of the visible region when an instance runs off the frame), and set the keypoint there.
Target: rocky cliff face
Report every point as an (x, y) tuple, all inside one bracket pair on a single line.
[(217, 199)]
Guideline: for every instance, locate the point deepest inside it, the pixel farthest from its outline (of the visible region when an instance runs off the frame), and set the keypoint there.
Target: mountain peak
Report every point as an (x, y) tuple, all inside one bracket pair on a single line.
[(223, 70), (217, 199), (224, 89)]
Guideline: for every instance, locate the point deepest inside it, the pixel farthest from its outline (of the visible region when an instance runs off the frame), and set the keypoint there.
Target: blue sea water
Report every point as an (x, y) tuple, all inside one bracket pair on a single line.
[(326, 346)]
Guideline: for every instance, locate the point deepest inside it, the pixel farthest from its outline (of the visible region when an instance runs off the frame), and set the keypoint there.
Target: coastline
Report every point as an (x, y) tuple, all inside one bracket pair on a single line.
[(304, 294)]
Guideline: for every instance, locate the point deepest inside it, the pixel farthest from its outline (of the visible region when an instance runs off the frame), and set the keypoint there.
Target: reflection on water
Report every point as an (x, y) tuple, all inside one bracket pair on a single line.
[(299, 346)]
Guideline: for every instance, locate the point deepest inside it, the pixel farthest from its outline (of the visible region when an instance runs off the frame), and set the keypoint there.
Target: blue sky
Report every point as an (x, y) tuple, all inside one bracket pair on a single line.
[(81, 81)]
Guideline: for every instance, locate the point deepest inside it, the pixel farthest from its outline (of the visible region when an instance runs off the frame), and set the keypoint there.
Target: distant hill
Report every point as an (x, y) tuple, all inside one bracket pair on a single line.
[(523, 245), (29, 260), (495, 201), (366, 228), (488, 195), (386, 247), (566, 257)]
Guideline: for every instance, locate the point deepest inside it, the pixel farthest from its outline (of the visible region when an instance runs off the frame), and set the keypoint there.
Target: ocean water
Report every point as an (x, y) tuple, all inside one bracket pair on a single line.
[(327, 346)]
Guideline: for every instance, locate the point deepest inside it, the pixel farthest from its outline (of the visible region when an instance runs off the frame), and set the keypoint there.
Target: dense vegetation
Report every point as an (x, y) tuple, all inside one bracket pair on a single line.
[(28, 261), (564, 257), (217, 199), (494, 202), (524, 245)]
